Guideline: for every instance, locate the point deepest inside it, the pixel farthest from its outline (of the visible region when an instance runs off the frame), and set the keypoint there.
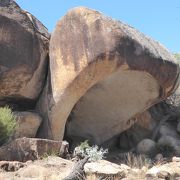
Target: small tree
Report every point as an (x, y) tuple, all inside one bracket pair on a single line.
[(7, 124)]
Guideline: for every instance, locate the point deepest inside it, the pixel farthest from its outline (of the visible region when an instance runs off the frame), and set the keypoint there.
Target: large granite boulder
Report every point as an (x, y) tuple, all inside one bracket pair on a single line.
[(103, 72), (24, 55)]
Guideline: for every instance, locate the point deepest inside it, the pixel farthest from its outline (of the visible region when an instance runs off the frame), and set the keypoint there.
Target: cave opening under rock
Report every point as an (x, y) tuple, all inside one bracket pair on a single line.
[(107, 108)]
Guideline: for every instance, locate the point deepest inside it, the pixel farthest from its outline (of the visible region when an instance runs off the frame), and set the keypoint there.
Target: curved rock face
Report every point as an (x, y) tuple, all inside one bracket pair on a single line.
[(108, 71), (23, 58)]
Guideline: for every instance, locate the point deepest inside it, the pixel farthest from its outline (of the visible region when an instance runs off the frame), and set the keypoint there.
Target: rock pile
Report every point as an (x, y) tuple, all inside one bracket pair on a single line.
[(58, 168)]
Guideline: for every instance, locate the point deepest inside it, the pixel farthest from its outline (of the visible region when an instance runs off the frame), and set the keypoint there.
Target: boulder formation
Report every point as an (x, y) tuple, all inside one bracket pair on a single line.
[(105, 82), (24, 45), (103, 72)]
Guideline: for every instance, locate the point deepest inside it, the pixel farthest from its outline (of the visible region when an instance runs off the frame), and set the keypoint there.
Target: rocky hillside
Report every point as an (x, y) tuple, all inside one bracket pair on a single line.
[(92, 79)]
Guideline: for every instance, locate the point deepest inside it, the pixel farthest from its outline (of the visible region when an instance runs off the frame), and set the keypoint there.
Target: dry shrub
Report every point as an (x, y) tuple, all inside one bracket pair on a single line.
[(137, 161)]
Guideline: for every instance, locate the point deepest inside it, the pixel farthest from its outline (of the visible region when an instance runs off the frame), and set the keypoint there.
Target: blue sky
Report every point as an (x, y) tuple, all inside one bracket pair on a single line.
[(159, 19)]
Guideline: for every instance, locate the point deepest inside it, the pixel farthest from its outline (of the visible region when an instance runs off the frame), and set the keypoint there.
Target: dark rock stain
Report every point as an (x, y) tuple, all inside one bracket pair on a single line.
[(126, 47), (76, 39), (24, 46)]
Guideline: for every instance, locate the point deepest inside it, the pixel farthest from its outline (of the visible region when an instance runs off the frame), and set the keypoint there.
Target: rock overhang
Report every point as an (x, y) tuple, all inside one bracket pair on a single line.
[(87, 48)]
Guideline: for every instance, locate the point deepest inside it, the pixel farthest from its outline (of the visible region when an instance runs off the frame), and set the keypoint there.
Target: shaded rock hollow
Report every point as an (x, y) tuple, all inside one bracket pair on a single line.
[(105, 72)]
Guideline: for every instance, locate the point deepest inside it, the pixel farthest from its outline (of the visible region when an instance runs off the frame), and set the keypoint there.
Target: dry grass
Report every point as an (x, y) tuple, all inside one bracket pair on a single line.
[(137, 161)]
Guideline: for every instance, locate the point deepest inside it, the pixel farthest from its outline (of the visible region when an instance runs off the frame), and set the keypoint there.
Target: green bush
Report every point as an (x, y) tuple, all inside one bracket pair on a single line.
[(7, 124), (93, 152)]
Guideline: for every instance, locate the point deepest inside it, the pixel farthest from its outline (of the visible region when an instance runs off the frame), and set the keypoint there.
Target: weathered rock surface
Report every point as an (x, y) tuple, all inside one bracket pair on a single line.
[(24, 149), (166, 171), (27, 124), (105, 169), (24, 45), (109, 70), (51, 168)]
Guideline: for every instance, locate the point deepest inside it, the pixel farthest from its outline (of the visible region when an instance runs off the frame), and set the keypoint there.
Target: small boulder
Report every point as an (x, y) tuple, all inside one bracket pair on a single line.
[(105, 169), (167, 140), (176, 159), (27, 124), (169, 145), (51, 168), (24, 149), (146, 146), (159, 157)]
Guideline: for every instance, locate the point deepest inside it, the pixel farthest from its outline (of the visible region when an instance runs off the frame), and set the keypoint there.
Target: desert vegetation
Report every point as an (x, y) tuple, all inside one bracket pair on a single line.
[(7, 124), (94, 153)]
